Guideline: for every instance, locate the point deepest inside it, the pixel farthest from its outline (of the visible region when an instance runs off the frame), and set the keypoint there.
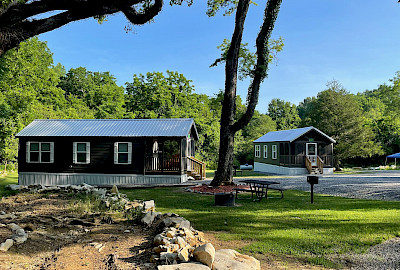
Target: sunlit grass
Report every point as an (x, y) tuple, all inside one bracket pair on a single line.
[(291, 226), (10, 178)]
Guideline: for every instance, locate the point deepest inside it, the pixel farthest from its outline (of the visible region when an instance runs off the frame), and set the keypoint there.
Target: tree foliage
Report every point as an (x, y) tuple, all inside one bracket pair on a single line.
[(382, 109), (98, 90), (247, 58), (156, 95), (339, 114), (284, 114)]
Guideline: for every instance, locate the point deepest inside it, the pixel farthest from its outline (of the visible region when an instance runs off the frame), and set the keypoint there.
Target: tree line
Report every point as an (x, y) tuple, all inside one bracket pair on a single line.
[(365, 125)]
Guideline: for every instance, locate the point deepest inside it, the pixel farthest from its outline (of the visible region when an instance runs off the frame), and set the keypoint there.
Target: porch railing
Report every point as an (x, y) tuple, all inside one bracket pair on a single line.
[(155, 164), (308, 165), (320, 165), (196, 167), (299, 161), (290, 160)]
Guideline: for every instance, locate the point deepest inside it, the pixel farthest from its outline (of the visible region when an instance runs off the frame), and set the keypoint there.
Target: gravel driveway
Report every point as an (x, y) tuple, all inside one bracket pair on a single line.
[(376, 185)]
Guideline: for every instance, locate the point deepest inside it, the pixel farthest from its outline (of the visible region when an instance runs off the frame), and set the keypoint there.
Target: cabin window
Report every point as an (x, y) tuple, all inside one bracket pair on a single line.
[(81, 153), (39, 152), (274, 152), (257, 151), (123, 153), (265, 151)]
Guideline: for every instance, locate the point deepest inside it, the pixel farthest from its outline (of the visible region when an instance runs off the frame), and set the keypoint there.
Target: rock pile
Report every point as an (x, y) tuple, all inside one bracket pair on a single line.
[(176, 241), (179, 246), (19, 235)]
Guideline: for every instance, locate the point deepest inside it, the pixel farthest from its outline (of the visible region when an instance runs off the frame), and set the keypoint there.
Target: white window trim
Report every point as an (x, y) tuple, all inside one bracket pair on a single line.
[(28, 152), (257, 151), (274, 152), (266, 151), (129, 153), (75, 153)]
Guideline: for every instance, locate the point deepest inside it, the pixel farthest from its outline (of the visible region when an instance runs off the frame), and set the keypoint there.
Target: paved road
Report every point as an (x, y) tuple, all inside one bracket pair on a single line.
[(377, 185)]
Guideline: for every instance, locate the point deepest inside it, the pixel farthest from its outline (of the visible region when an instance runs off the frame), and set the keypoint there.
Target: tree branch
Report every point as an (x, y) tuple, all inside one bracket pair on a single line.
[(15, 25), (261, 68), (140, 18)]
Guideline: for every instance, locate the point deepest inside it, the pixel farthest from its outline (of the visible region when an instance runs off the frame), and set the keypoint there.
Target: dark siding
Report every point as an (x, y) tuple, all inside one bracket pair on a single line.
[(269, 159), (101, 156), (297, 148)]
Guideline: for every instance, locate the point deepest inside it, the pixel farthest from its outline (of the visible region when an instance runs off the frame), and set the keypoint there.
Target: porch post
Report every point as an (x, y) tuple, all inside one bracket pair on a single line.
[(161, 159), (145, 156)]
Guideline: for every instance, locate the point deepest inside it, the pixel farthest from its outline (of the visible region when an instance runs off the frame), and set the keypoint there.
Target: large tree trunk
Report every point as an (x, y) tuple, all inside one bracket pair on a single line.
[(224, 173), (229, 127)]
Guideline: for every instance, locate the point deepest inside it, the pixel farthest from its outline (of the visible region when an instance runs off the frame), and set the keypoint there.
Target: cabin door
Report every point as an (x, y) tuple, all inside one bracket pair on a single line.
[(311, 153)]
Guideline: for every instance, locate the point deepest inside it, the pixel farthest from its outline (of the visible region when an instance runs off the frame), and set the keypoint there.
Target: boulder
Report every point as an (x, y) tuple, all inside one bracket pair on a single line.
[(19, 239), (158, 240), (205, 254), (184, 254), (231, 259), (184, 266), (14, 227), (135, 204), (168, 257), (100, 192), (149, 217), (171, 232), (6, 245), (149, 206), (177, 222), (8, 216), (14, 187), (114, 190), (180, 241)]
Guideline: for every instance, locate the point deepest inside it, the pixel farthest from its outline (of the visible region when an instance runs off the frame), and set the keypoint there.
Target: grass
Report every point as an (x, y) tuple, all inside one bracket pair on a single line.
[(288, 227), (10, 178)]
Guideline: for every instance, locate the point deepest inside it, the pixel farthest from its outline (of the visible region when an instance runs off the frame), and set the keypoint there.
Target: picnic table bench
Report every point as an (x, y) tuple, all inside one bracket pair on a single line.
[(236, 171), (259, 188)]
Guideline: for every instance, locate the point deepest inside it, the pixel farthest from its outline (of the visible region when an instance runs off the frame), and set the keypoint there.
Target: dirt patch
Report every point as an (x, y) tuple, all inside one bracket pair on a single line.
[(61, 239)]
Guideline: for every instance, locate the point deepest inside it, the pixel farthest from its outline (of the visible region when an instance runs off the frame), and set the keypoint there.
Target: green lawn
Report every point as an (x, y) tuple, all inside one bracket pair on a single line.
[(291, 226), (288, 227), (11, 178)]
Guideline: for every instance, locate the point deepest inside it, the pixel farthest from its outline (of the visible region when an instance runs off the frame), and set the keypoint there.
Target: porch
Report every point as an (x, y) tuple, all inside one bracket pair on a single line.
[(300, 160), (175, 165)]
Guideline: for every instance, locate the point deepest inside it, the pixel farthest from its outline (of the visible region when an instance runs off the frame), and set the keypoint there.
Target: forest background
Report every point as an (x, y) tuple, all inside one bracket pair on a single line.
[(365, 125)]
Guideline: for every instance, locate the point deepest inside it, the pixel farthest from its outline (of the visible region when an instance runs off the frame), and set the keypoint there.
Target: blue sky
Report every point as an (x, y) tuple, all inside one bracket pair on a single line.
[(356, 42)]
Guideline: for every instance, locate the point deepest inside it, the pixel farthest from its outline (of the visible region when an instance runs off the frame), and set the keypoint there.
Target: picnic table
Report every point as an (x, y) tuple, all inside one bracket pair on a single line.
[(259, 188)]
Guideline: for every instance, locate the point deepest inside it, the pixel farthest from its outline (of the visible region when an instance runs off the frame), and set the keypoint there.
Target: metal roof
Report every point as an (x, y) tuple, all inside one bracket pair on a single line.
[(179, 127), (289, 135)]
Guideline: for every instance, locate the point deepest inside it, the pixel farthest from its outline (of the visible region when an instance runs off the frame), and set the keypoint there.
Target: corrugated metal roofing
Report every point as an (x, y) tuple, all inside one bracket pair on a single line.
[(179, 127), (288, 135)]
